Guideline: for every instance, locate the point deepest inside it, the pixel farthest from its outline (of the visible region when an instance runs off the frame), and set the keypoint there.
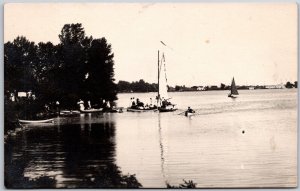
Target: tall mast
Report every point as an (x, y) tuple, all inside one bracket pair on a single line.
[(158, 96)]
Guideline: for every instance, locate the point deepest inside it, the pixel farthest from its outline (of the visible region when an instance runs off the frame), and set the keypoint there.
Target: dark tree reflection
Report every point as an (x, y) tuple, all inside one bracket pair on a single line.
[(83, 155)]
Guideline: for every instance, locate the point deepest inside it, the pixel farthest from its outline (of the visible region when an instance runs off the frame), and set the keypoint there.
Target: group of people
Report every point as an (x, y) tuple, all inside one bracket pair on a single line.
[(165, 103), (137, 104), (87, 105)]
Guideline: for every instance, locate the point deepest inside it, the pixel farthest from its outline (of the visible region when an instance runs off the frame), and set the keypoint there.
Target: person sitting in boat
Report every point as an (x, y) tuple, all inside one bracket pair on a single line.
[(164, 103), (146, 106), (189, 110), (133, 104), (151, 106), (139, 103)]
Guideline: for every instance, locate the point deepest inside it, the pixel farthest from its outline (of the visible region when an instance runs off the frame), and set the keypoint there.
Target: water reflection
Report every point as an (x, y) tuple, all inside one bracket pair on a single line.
[(161, 149), (74, 155), (209, 148)]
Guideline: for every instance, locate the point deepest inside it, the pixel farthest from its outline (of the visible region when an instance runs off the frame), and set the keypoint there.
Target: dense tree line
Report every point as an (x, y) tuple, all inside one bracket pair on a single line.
[(138, 86), (79, 67)]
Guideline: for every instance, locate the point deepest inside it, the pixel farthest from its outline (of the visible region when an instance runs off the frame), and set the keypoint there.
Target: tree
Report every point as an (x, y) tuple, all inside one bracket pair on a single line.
[(19, 59), (78, 67), (222, 86), (99, 83), (46, 72), (73, 59), (289, 85), (124, 86)]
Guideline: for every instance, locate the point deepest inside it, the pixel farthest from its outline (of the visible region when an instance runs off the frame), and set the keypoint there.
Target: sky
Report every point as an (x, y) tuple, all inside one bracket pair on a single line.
[(206, 43)]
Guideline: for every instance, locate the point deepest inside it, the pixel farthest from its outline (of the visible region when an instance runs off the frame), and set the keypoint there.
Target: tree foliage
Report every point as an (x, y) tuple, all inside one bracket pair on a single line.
[(289, 85), (100, 72), (79, 67), (19, 61), (138, 86)]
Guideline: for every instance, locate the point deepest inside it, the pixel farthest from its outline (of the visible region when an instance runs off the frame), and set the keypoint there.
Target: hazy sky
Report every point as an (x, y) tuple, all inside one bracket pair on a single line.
[(208, 43)]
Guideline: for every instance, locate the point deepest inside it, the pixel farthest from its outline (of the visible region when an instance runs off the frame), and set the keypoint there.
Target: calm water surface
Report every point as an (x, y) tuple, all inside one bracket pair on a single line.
[(209, 148)]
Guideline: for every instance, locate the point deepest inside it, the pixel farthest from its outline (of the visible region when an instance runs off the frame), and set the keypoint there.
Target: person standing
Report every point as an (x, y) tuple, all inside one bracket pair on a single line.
[(57, 107)]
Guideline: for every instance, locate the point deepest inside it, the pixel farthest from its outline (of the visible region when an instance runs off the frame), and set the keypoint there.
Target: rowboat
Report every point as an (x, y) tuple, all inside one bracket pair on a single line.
[(188, 114), (37, 121)]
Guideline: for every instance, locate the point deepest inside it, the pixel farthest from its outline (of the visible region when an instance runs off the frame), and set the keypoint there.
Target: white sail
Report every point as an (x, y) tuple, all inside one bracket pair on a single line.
[(233, 88), (163, 89)]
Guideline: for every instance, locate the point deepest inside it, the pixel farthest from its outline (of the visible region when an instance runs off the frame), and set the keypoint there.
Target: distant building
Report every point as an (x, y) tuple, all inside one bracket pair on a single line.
[(28, 94), (22, 94), (200, 88), (278, 86)]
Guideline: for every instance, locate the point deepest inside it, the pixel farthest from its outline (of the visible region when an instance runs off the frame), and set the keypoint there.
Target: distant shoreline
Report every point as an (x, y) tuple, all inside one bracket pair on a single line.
[(208, 90)]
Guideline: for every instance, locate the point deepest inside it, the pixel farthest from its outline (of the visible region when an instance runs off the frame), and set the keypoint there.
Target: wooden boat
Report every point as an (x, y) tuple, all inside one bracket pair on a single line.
[(168, 108), (69, 113), (115, 110), (91, 110), (37, 121), (188, 114), (233, 90), (164, 105), (140, 109)]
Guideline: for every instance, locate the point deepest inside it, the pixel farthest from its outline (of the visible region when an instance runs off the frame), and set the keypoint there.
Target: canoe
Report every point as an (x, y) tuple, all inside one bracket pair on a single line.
[(37, 121), (69, 113), (91, 110)]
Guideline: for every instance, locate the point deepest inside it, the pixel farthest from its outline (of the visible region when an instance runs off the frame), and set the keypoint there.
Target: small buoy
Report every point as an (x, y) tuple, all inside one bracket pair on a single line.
[(243, 131)]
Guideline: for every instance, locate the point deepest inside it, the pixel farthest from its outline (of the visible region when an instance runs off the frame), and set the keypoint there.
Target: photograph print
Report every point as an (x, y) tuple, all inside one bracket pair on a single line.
[(150, 95)]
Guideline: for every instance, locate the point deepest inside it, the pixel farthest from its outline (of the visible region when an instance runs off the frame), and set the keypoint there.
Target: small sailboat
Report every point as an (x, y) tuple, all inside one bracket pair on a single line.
[(233, 90), (163, 100)]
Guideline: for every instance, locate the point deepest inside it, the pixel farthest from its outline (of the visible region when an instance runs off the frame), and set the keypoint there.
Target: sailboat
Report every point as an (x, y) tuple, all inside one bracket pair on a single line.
[(163, 100), (233, 89)]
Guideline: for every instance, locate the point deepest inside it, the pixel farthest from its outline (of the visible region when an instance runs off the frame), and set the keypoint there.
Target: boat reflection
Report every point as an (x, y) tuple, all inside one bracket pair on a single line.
[(162, 157)]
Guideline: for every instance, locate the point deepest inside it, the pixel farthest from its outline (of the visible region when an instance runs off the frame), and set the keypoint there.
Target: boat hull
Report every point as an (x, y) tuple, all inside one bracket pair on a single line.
[(188, 114), (233, 97), (91, 111), (141, 110), (37, 121), (167, 109), (69, 113)]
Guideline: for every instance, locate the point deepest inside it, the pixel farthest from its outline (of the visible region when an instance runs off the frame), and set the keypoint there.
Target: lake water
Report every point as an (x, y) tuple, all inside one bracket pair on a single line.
[(250, 141)]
